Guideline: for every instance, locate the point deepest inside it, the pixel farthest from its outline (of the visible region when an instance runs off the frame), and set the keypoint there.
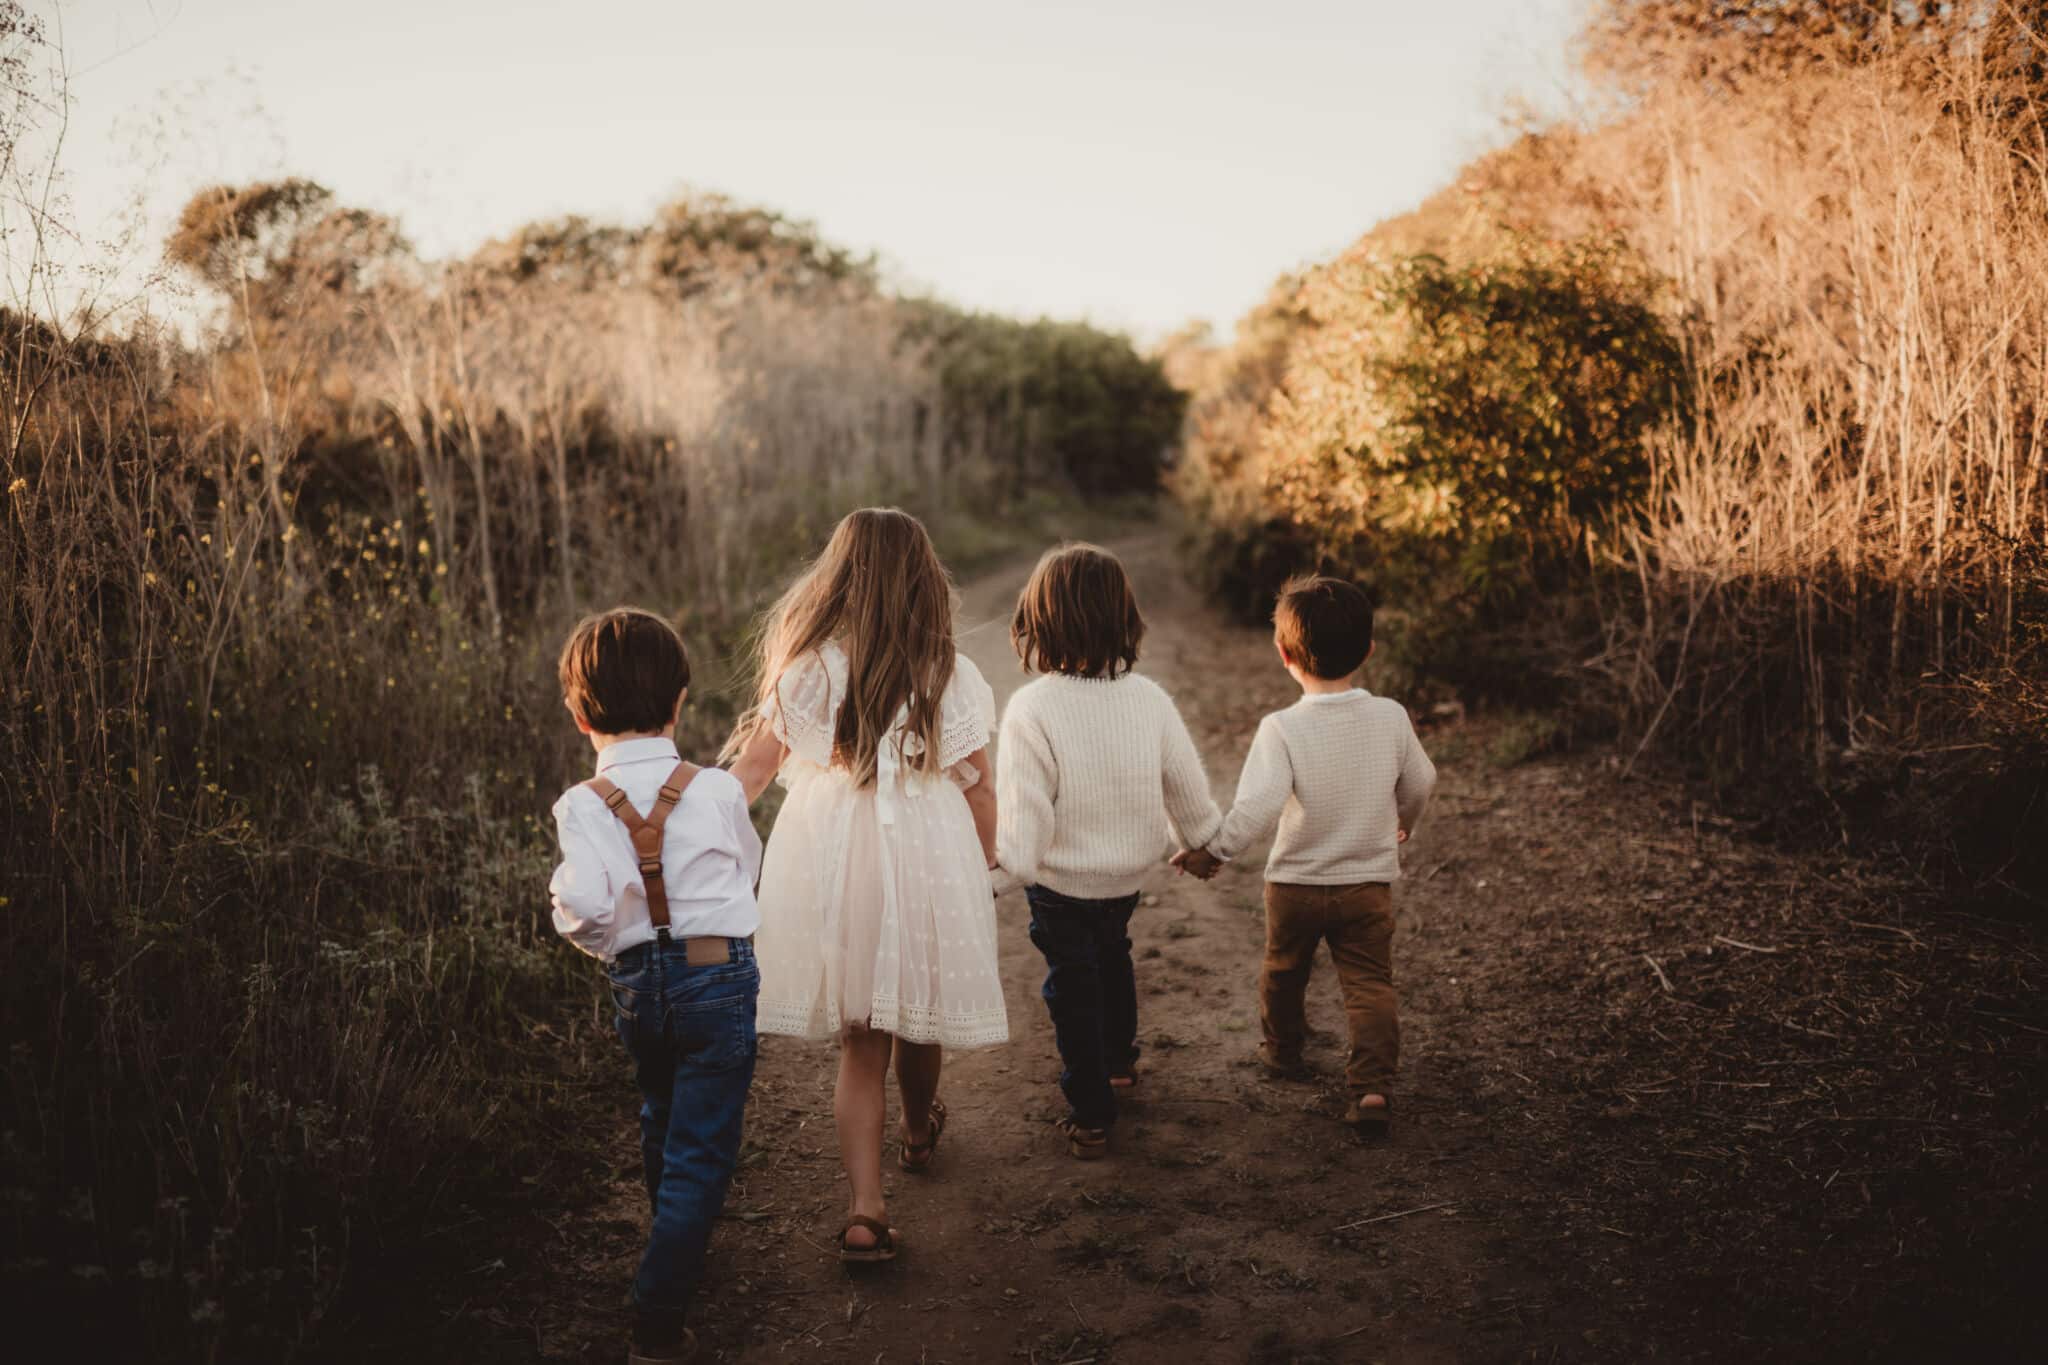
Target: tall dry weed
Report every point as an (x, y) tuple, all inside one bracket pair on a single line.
[(1833, 575), (280, 731), (1864, 249)]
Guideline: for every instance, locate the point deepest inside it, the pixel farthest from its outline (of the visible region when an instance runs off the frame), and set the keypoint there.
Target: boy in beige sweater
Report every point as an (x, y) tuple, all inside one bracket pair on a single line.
[(1344, 777)]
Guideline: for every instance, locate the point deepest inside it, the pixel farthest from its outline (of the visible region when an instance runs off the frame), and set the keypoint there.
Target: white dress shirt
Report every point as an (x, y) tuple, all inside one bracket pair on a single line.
[(710, 856)]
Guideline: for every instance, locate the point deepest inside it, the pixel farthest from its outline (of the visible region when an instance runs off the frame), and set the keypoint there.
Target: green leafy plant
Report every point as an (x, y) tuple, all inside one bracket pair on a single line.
[(1473, 417), (1072, 403)]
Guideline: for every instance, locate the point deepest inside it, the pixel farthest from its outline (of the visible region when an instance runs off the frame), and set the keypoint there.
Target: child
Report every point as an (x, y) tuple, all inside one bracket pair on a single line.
[(666, 901), (1345, 778), (877, 925), (1096, 766)]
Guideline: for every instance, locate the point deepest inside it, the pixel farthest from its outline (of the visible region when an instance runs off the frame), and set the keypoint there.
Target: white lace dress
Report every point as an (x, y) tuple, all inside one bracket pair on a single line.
[(876, 902)]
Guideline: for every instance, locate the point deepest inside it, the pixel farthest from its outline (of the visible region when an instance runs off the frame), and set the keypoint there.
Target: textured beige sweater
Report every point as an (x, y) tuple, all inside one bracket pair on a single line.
[(1090, 774), (1342, 773)]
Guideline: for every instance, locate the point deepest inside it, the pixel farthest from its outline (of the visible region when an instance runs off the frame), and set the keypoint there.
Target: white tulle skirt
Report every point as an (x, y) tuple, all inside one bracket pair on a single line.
[(876, 908)]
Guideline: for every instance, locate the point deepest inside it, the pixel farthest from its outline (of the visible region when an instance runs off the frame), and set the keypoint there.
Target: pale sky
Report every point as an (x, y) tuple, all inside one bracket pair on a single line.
[(1135, 162)]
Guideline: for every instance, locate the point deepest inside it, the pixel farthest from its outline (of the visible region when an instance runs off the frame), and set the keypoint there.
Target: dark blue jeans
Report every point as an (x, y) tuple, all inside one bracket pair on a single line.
[(690, 1033), (1092, 992)]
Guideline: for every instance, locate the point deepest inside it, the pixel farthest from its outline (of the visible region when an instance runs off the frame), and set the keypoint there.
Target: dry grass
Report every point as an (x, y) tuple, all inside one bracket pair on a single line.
[(1862, 252), (1835, 576), (281, 732)]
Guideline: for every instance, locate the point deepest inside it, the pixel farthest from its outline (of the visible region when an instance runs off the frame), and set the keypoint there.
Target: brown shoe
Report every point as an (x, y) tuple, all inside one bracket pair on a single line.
[(1369, 1120), (1288, 1066)]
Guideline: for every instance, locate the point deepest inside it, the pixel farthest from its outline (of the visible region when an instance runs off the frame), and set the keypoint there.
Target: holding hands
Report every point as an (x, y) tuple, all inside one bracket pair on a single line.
[(1200, 862)]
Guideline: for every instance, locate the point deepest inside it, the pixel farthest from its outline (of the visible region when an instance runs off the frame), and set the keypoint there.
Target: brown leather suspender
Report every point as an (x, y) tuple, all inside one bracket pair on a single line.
[(645, 832)]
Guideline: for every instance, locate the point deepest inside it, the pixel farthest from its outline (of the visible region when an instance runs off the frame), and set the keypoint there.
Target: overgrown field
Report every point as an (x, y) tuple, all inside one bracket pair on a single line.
[(280, 729), (1717, 417)]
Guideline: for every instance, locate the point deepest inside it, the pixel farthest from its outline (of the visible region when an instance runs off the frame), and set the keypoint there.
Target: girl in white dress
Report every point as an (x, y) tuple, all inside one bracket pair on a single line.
[(877, 923)]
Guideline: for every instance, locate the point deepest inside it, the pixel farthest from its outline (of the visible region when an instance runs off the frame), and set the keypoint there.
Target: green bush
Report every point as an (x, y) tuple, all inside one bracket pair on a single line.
[(1470, 419), (1075, 404), (1442, 432)]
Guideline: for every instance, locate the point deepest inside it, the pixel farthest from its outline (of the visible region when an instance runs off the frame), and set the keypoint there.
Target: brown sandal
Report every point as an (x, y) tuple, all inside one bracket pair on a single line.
[(1083, 1144), (884, 1248), (916, 1157)]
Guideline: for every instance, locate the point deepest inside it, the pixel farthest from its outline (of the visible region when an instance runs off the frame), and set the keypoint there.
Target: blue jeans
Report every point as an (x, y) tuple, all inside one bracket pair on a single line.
[(690, 1033), (1092, 993)]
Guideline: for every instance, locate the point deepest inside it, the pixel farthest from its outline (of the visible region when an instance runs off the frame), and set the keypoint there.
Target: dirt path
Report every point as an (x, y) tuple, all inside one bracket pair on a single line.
[(1592, 1160)]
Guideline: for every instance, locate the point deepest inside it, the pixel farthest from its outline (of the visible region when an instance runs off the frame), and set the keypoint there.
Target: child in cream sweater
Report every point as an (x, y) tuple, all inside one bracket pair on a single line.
[(1343, 776), (1095, 766)]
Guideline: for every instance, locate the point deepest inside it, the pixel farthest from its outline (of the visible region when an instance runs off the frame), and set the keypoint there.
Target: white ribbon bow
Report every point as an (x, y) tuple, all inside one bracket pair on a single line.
[(890, 777)]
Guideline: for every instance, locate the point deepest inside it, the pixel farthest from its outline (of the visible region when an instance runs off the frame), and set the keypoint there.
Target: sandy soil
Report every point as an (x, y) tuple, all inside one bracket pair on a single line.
[(1661, 1097)]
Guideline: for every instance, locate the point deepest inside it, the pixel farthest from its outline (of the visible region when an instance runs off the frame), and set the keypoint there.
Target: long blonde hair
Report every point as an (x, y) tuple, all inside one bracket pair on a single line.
[(880, 590)]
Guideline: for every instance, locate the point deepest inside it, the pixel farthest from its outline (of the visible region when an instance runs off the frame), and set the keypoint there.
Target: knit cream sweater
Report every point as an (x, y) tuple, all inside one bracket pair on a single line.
[(1341, 773), (1091, 773)]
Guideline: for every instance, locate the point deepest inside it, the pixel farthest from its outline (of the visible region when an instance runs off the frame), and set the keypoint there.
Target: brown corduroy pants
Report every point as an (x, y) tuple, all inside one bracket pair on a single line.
[(1358, 924)]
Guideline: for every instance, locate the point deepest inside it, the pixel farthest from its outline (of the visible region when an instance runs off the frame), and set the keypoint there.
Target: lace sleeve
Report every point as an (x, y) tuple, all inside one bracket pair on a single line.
[(801, 711), (967, 714)]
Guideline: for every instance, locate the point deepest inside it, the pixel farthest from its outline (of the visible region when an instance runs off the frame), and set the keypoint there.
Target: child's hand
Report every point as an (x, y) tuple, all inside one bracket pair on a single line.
[(1401, 836), (1199, 861)]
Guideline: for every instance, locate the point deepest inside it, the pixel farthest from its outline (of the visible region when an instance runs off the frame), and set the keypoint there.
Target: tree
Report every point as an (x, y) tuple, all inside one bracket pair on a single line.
[(274, 247), (1082, 404), (572, 252), (696, 244), (1730, 40), (705, 239)]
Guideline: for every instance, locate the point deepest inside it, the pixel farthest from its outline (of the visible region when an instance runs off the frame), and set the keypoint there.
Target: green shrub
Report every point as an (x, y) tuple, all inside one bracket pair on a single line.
[(1470, 419), (1442, 432), (1074, 403)]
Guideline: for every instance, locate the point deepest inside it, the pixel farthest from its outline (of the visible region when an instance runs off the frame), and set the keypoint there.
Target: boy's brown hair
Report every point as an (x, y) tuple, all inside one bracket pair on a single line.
[(1323, 626), (624, 670), (1078, 615)]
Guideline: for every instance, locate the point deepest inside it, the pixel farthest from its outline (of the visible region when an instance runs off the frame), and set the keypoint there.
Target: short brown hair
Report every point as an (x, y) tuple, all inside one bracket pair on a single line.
[(624, 670), (1078, 615), (1323, 626)]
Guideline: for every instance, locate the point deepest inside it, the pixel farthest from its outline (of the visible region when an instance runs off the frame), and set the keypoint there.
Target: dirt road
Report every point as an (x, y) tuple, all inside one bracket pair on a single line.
[(1646, 1068)]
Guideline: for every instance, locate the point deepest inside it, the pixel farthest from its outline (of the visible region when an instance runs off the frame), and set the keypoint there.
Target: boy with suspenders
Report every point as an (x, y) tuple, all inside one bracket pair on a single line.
[(666, 901)]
